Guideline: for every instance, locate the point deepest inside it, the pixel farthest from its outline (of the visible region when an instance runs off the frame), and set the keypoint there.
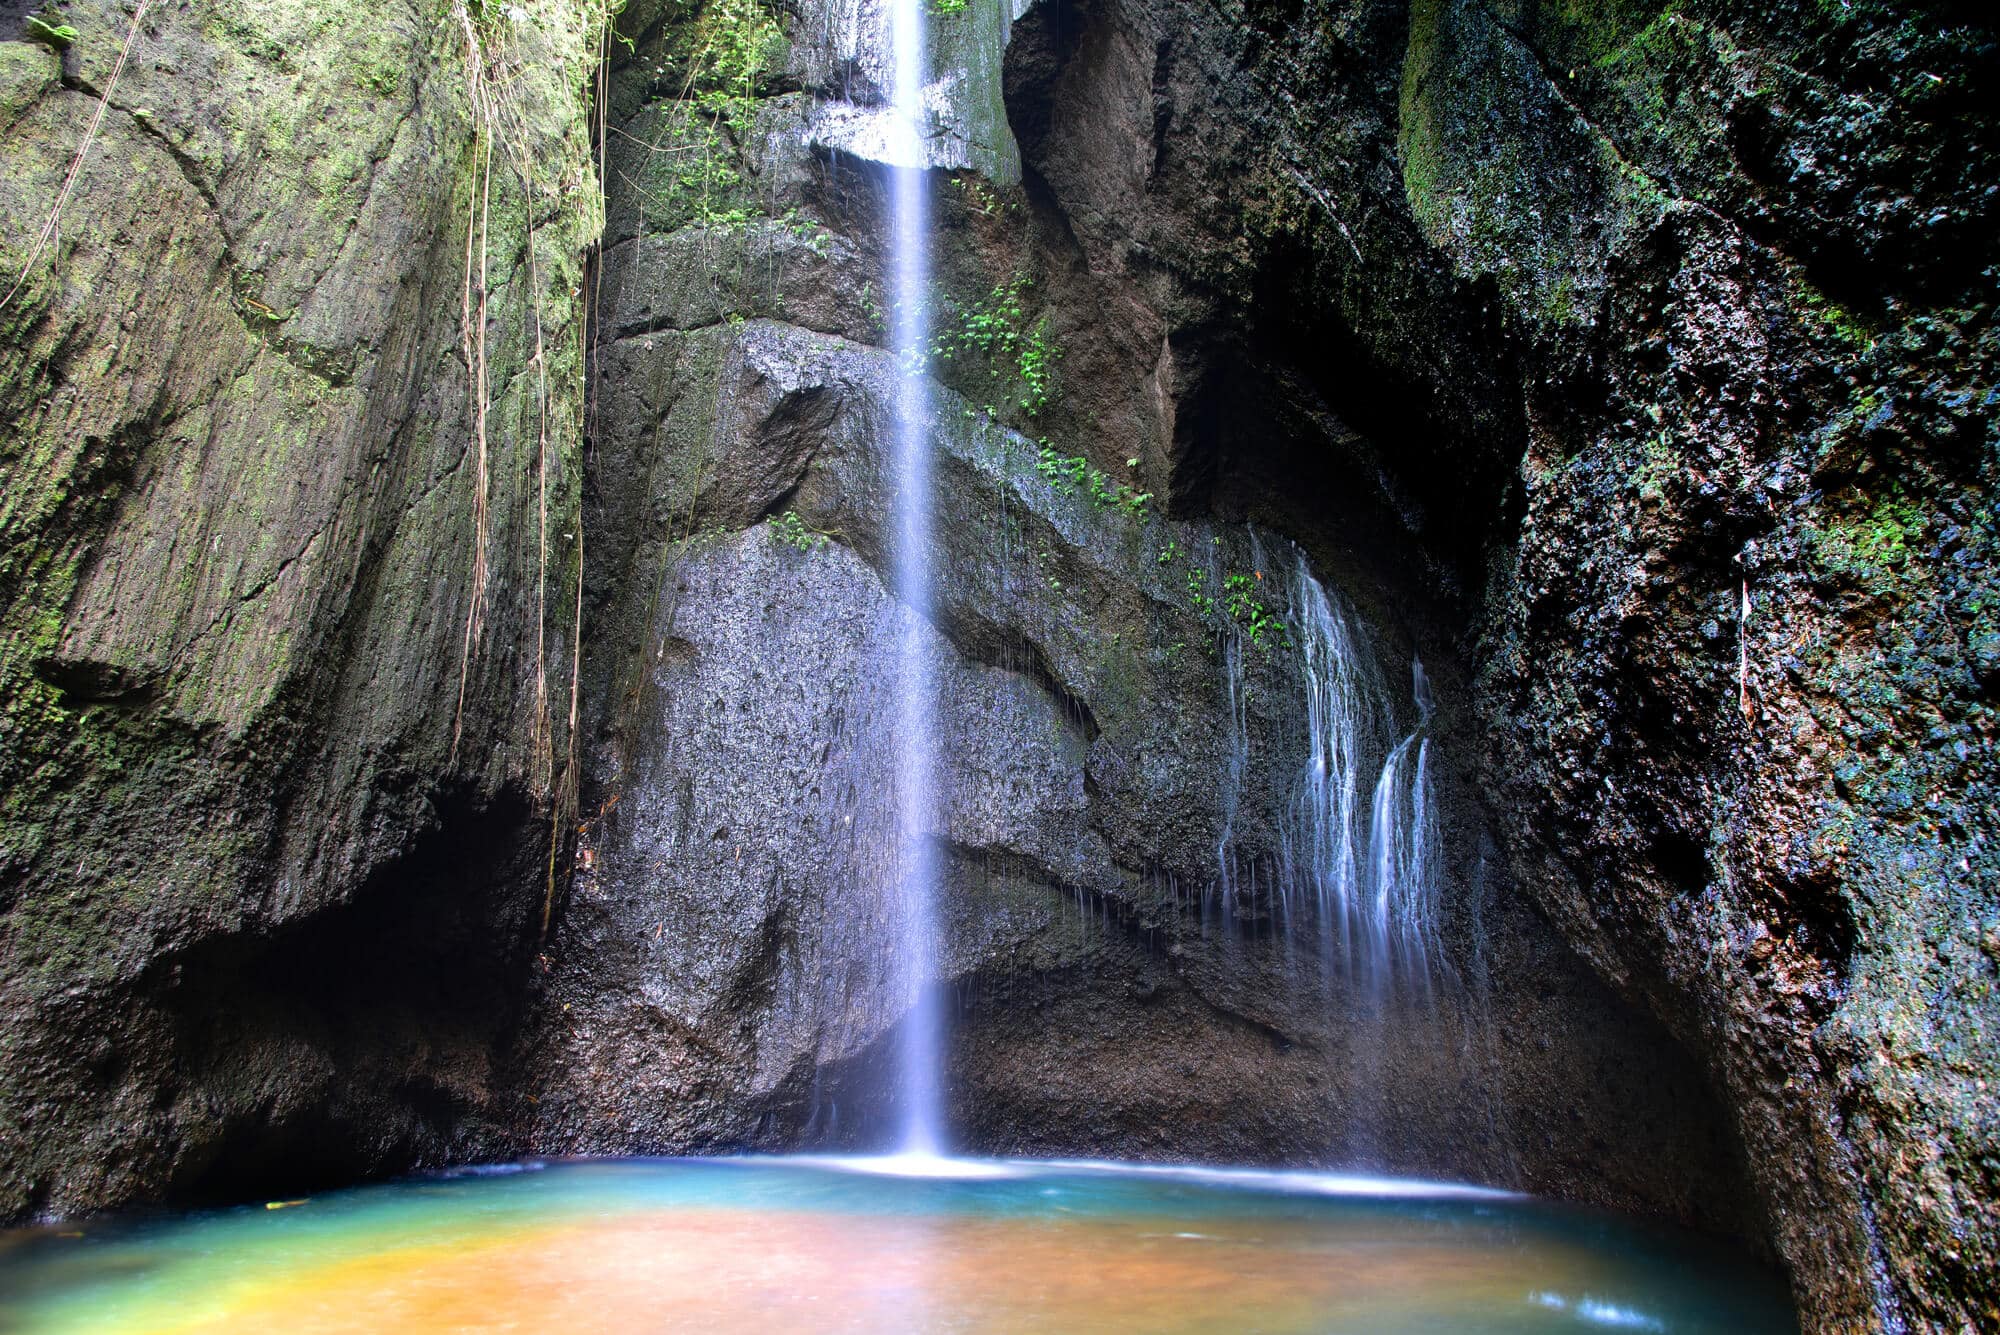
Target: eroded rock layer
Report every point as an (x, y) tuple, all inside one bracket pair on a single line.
[(1123, 695)]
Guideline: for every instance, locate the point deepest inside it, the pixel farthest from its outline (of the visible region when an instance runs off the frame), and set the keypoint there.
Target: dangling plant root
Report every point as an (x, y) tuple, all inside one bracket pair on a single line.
[(473, 332), (49, 226), (563, 803)]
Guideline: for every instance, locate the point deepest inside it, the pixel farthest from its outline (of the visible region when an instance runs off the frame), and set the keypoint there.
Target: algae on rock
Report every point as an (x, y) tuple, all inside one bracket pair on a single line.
[(235, 581)]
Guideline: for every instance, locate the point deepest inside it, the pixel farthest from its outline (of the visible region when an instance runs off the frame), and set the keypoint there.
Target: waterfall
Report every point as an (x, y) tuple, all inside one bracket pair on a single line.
[(1404, 874), (920, 1044), (1344, 713), (1364, 849)]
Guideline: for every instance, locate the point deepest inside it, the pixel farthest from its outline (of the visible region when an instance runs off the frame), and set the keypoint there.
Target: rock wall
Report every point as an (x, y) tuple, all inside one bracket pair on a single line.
[(1630, 365), (1666, 331), (1122, 753), (285, 625)]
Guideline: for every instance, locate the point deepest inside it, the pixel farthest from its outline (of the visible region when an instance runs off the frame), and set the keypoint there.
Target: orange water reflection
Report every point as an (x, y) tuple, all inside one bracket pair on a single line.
[(729, 1270)]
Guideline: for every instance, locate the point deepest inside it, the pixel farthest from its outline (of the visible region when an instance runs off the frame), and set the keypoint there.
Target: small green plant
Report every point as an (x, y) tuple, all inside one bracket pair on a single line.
[(1063, 472), (1036, 363), (1247, 610), (792, 531), (1198, 595), (1045, 560), (946, 8), (1240, 603), (978, 194), (995, 341), (1070, 474), (798, 226)]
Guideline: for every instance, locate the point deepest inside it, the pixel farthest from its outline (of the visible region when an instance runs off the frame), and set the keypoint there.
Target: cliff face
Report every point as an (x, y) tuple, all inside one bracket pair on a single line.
[(1632, 370), (1679, 318), (1131, 949), (264, 855), (1739, 671)]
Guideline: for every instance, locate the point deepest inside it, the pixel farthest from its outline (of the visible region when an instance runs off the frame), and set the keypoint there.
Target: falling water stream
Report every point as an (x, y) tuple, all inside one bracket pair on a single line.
[(920, 1044), (1359, 863), (918, 1241), (1360, 845)]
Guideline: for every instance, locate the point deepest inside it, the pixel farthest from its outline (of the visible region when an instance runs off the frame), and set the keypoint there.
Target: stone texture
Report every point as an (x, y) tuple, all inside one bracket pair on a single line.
[(1628, 316), (719, 978), (252, 799), (1632, 364)]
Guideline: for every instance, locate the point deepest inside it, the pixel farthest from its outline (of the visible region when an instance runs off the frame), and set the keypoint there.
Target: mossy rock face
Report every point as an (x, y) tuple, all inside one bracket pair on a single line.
[(1634, 364), (237, 572), (1643, 310), (723, 944)]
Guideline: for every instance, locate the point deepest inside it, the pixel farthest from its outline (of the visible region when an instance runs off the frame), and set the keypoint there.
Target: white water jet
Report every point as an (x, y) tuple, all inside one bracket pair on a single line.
[(1372, 870), (918, 1092), (1343, 715)]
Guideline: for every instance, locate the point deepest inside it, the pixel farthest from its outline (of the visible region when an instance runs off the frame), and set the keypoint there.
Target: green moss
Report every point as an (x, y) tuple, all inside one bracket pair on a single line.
[(1536, 214), (379, 76), (1420, 137), (1870, 550), (1837, 320), (55, 36)]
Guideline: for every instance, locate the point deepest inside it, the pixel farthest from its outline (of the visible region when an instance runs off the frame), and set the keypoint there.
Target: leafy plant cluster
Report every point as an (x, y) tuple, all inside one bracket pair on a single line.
[(1247, 610), (1073, 474), (720, 58), (793, 532), (978, 195), (995, 337), (1240, 602)]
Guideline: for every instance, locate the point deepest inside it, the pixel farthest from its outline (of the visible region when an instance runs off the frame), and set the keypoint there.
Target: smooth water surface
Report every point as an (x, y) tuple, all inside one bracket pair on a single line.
[(860, 1245)]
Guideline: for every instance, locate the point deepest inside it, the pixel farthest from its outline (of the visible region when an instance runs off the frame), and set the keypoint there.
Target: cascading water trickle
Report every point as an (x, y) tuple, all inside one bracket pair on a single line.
[(1360, 858), (1403, 841), (1343, 713), (920, 1049), (1366, 852)]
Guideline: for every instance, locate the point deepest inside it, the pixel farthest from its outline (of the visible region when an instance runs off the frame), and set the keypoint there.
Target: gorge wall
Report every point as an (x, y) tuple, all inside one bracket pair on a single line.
[(287, 627), (1122, 755), (1631, 367)]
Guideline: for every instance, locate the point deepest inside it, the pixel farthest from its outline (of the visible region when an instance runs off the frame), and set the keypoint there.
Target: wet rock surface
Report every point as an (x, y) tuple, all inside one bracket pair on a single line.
[(269, 834), (718, 977), (1123, 758), (1633, 369), (1636, 369), (1669, 328)]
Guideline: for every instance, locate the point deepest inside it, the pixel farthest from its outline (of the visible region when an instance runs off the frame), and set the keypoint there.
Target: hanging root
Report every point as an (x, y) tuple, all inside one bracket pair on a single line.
[(473, 329), (563, 807), (49, 226), (543, 742)]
